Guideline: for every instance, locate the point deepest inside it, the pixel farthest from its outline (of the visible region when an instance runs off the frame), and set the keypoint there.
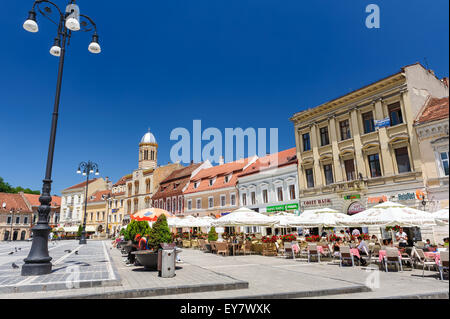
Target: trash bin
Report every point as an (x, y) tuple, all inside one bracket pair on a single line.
[(166, 263)]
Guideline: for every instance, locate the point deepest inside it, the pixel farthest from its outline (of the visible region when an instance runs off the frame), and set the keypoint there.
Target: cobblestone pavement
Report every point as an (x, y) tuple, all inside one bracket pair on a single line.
[(277, 277), (74, 266)]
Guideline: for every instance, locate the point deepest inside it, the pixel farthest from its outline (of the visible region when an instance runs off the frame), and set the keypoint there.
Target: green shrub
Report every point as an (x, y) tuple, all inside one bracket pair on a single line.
[(136, 227), (212, 235), (159, 233)]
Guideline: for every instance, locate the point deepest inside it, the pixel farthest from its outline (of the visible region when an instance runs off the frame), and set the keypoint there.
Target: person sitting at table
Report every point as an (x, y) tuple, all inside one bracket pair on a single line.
[(374, 238), (336, 245), (427, 246), (402, 238), (131, 259)]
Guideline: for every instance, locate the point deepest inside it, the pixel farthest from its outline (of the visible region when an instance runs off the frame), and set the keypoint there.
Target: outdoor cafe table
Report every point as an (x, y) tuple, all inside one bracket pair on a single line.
[(382, 254), (355, 252)]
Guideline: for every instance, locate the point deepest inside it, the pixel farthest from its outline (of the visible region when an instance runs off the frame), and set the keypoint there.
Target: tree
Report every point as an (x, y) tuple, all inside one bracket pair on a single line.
[(136, 227), (160, 233), (7, 188), (80, 230), (212, 235)]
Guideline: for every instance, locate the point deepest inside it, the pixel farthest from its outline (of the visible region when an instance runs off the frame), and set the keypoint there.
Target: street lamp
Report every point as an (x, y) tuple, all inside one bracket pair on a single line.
[(108, 202), (38, 259), (86, 169)]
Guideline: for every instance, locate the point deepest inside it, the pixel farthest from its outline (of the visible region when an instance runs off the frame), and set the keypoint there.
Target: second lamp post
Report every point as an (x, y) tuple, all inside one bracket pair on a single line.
[(86, 168)]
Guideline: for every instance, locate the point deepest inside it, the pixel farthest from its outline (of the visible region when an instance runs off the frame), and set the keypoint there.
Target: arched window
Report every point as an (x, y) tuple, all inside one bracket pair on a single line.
[(145, 155), (6, 236), (15, 234)]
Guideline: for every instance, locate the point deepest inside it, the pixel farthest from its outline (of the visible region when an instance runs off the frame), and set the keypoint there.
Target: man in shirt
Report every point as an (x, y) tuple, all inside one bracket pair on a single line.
[(401, 237), (356, 232)]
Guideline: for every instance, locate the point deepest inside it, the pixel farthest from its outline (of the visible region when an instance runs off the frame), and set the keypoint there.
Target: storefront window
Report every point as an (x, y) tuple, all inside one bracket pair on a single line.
[(328, 171), (374, 165), (309, 177), (401, 154), (350, 169)]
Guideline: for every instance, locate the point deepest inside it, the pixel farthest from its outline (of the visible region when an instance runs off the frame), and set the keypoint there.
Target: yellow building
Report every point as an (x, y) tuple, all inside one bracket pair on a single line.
[(117, 206), (362, 147), (96, 212)]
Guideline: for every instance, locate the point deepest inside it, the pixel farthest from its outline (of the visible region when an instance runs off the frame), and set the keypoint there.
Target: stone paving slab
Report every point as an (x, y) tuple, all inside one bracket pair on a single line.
[(74, 266)]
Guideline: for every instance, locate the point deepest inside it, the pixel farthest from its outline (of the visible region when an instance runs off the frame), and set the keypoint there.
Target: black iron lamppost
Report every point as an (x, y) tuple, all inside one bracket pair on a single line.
[(108, 203), (86, 169), (38, 260)]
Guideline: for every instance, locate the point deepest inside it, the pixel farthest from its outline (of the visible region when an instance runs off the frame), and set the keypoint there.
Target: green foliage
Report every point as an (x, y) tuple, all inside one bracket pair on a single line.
[(212, 235), (80, 230), (7, 188), (124, 233), (136, 227), (160, 233)]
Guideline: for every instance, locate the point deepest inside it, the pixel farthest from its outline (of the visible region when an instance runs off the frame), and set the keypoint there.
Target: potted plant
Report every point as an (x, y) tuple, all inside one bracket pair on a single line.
[(157, 235), (288, 238), (269, 248)]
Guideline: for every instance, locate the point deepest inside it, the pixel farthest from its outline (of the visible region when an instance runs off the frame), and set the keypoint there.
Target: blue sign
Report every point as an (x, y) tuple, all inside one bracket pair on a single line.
[(114, 210), (382, 123), (223, 214)]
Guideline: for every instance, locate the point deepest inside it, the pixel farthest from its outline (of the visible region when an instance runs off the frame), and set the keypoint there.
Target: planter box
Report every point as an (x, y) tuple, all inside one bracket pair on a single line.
[(147, 258), (269, 249)]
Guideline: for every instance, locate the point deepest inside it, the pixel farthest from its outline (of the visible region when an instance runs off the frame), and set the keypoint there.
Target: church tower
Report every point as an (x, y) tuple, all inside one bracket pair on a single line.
[(148, 151)]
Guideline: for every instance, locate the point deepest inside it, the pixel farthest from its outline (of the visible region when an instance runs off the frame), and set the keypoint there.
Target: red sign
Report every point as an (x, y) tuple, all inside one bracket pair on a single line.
[(355, 208)]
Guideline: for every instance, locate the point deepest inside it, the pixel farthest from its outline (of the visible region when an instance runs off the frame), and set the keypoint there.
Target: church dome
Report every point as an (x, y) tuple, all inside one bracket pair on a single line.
[(148, 138)]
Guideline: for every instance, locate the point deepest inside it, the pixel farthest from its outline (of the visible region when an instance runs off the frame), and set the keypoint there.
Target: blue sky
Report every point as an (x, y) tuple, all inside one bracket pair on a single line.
[(229, 63)]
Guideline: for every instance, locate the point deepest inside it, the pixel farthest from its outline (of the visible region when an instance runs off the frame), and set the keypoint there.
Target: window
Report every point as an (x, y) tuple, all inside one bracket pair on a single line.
[(309, 177), (265, 196), (199, 203), (328, 172), (374, 165), (168, 204), (368, 122), (402, 157), (25, 219), (98, 215), (211, 181), (395, 113), (233, 200), (253, 197), (444, 162), (180, 204), (196, 184), (189, 204), (324, 140), (145, 155), (350, 169), (174, 205), (211, 202), (9, 220), (345, 130), (306, 142), (244, 199), (280, 194), (228, 178), (292, 192), (18, 220), (222, 200), (92, 216)]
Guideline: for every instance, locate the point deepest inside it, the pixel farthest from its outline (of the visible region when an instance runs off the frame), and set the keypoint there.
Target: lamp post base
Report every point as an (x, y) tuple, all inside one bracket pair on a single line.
[(82, 242), (36, 269)]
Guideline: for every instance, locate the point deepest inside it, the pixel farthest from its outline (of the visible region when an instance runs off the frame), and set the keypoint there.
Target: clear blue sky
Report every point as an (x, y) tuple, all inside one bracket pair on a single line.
[(230, 63)]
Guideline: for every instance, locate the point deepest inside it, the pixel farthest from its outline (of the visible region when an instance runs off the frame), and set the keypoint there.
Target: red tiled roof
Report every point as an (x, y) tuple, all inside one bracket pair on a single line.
[(97, 196), (219, 172), (174, 183), (34, 200), (118, 194), (13, 201), (434, 109), (83, 184), (121, 181), (283, 158)]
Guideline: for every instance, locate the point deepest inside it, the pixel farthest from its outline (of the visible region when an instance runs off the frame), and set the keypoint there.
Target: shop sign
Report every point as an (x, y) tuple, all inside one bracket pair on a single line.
[(382, 123), (279, 208), (317, 202), (223, 214), (114, 210), (354, 196), (354, 208), (377, 200), (406, 196)]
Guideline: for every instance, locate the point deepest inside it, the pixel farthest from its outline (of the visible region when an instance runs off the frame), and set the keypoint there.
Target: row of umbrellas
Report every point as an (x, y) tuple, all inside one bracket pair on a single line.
[(384, 214)]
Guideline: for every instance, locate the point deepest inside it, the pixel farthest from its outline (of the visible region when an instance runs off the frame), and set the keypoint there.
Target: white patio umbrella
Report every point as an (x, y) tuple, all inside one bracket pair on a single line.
[(324, 217), (441, 215), (284, 219), (244, 217), (391, 214)]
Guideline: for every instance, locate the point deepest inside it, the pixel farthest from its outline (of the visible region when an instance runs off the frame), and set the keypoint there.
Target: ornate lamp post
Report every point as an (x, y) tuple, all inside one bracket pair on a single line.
[(86, 169), (108, 203), (68, 21)]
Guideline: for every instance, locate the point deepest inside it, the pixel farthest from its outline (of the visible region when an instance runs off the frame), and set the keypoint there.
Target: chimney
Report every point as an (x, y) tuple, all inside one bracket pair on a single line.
[(445, 81), (431, 71), (221, 160)]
